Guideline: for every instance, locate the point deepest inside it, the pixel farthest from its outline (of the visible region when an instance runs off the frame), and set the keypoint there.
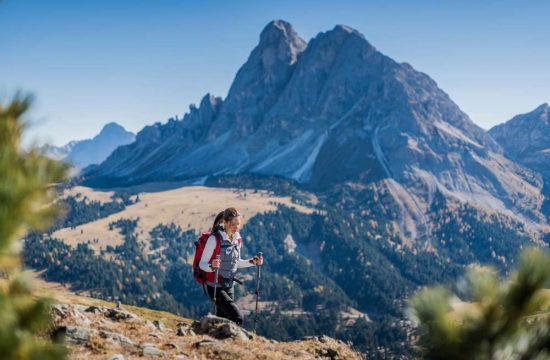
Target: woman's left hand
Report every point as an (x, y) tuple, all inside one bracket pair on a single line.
[(258, 260)]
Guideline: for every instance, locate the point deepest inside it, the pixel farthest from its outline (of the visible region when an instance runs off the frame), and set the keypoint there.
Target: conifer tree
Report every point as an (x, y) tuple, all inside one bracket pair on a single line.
[(26, 180), (500, 319)]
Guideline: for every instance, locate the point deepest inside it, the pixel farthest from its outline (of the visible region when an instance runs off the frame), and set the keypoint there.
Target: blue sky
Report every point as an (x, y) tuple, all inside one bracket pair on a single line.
[(142, 61)]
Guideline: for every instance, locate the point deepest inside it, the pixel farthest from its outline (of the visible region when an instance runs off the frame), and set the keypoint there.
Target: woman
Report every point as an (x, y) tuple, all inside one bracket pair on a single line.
[(226, 225)]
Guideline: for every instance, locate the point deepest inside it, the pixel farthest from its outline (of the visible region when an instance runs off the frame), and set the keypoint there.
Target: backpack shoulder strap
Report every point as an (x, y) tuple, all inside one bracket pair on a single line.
[(218, 238)]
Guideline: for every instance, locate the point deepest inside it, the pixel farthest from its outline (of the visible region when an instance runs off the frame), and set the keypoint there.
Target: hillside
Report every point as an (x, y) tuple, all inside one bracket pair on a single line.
[(96, 329)]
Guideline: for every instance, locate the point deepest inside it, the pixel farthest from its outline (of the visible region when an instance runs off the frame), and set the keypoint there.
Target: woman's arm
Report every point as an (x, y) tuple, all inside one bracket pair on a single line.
[(245, 263), (209, 248), (248, 262)]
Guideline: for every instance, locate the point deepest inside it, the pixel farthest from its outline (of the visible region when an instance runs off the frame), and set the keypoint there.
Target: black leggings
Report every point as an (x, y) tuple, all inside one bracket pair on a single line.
[(225, 304)]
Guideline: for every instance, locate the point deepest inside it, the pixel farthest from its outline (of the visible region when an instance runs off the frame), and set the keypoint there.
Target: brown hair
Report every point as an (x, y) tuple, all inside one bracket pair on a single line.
[(226, 215)]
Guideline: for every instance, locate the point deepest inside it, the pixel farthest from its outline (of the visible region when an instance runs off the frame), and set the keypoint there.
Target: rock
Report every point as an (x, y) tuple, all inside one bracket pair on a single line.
[(149, 349), (222, 328), (73, 312), (116, 357), (309, 338), (59, 310), (196, 326), (159, 325), (153, 335), (80, 308), (120, 314), (324, 338), (205, 343), (149, 324), (333, 354), (328, 353), (80, 318), (82, 335), (184, 330), (94, 310), (76, 334), (116, 337)]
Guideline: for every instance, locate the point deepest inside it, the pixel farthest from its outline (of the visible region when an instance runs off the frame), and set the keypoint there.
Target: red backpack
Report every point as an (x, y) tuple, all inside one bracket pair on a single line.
[(202, 276)]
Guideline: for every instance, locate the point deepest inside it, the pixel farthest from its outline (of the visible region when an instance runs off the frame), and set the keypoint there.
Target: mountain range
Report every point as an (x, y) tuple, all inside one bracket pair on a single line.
[(335, 110)]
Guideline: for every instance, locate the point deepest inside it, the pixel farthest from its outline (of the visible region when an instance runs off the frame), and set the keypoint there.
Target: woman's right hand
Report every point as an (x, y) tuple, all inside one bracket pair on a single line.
[(216, 263)]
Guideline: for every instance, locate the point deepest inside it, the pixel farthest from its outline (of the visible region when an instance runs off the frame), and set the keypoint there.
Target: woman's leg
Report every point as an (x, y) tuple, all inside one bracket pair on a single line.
[(225, 305)]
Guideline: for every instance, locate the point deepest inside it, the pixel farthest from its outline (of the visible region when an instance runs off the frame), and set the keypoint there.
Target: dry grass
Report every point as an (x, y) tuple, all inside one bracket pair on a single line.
[(189, 207)]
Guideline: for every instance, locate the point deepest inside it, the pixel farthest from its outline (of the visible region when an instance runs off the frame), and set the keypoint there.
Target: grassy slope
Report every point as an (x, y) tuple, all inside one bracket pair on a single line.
[(192, 207)]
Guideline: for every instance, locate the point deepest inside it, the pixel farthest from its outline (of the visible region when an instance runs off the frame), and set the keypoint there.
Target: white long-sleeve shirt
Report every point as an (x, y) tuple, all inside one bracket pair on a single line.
[(211, 246)]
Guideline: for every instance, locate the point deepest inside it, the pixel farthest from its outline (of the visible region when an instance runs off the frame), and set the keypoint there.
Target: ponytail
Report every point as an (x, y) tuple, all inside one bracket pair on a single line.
[(216, 225)]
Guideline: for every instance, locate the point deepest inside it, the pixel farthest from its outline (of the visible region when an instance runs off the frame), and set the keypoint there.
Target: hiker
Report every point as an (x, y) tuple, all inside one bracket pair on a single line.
[(225, 230)]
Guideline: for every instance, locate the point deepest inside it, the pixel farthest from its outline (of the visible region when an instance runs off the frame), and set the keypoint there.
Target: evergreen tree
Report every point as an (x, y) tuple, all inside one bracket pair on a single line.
[(26, 179), (499, 320)]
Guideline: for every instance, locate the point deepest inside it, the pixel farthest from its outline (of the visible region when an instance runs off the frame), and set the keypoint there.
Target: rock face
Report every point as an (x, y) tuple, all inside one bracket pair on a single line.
[(92, 151), (526, 139), (331, 111)]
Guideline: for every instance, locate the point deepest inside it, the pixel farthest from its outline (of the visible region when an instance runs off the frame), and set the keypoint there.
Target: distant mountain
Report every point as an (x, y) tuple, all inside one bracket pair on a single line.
[(331, 111), (82, 153), (526, 139)]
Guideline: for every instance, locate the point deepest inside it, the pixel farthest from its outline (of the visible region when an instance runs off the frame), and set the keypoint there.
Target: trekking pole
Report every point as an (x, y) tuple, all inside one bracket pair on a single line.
[(257, 291), (216, 287)]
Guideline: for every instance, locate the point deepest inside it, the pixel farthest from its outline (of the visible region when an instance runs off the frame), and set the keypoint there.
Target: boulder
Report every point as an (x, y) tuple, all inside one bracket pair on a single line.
[(120, 314), (222, 328), (148, 349), (76, 334)]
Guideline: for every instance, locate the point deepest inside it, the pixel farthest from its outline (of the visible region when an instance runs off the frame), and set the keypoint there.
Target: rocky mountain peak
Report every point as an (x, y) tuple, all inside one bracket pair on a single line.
[(341, 34), (526, 138), (82, 153), (344, 30), (111, 127), (210, 101), (205, 113), (260, 80), (280, 35), (523, 123), (543, 111)]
